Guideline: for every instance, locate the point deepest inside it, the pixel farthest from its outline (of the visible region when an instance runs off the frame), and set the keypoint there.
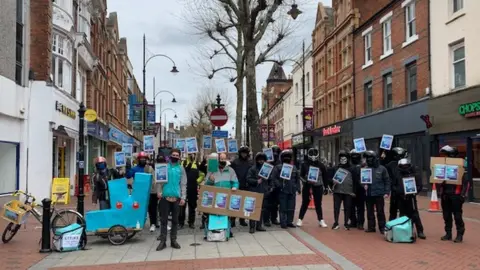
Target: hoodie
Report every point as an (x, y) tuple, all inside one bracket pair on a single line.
[(241, 167), (252, 179), (322, 176), (194, 175)]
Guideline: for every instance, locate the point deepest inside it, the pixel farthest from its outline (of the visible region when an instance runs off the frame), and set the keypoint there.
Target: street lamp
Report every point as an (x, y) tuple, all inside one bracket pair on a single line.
[(165, 123), (294, 11), (155, 94)]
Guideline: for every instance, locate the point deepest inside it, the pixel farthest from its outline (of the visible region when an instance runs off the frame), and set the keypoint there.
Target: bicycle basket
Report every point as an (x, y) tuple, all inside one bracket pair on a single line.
[(15, 212)]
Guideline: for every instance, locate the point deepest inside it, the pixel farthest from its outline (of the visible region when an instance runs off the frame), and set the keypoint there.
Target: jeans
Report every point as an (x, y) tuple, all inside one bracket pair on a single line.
[(377, 202), (338, 198), (452, 205), (192, 206), (317, 193), (153, 210), (287, 208), (166, 208), (408, 207)]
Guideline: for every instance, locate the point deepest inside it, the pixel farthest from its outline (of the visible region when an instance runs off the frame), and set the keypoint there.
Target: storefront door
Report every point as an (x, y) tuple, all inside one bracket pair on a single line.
[(473, 170)]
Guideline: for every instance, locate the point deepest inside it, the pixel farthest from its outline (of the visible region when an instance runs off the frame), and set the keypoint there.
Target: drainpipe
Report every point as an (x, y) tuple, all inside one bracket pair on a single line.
[(429, 52), (353, 74)]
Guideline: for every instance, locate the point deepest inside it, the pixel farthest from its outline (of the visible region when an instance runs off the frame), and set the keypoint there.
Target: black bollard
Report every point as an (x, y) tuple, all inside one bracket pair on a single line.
[(46, 239)]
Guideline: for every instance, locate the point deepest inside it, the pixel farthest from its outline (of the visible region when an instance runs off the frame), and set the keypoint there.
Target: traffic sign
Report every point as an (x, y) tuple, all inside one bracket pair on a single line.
[(218, 117), (90, 115), (220, 134)]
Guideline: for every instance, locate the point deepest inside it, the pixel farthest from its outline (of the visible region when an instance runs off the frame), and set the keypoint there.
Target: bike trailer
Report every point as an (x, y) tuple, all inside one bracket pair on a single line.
[(70, 238), (217, 229), (400, 230)]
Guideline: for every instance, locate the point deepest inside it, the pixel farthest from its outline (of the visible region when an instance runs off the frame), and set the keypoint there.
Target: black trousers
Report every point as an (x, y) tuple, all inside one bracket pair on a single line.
[(338, 198), (452, 205), (153, 209), (192, 197), (273, 203), (287, 208), (258, 224), (357, 214), (408, 207), (375, 202), (317, 193), (167, 208), (394, 207)]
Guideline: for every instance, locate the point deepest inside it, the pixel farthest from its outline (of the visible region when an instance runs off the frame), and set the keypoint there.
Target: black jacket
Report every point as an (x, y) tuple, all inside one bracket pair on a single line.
[(193, 173), (448, 189), (264, 187), (286, 186), (380, 182), (100, 184), (397, 181), (241, 167), (305, 167)]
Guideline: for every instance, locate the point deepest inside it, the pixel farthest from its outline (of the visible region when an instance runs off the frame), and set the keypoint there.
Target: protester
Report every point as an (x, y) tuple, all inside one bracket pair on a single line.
[(357, 214), (273, 200), (241, 165), (172, 195), (287, 189), (376, 192), (194, 177), (452, 199), (344, 189), (318, 188), (100, 179), (397, 153), (407, 203), (259, 185), (161, 159)]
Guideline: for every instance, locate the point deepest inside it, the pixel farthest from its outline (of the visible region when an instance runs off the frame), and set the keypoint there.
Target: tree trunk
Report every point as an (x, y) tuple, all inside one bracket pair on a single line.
[(252, 107), (239, 113)]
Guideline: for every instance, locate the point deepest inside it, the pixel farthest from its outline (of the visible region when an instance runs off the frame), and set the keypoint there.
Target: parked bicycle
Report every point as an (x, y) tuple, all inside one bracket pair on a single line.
[(17, 213)]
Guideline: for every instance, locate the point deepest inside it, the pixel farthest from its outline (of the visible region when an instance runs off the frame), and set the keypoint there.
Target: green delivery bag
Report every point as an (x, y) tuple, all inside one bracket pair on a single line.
[(400, 230)]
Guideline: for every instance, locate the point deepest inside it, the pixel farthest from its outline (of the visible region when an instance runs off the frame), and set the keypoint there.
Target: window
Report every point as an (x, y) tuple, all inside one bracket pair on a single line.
[(387, 91), (330, 62), (345, 52), (387, 37), (458, 65), (19, 44), (457, 5), (308, 82), (368, 97), (61, 63), (412, 82), (410, 27), (9, 155), (368, 48)]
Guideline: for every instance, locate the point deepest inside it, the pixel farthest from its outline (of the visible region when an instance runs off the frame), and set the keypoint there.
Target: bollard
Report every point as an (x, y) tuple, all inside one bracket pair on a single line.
[(46, 226)]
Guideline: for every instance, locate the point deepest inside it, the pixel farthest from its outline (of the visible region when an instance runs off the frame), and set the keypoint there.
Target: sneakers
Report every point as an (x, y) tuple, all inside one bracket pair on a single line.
[(152, 228), (299, 223), (323, 224), (335, 226)]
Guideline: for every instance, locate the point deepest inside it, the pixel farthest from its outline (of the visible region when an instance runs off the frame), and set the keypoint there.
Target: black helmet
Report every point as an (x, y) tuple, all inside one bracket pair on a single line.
[(343, 157), (355, 155), (244, 149), (449, 151), (313, 154), (404, 163), (398, 153), (371, 158), (286, 156), (276, 150), (260, 156), (343, 153)]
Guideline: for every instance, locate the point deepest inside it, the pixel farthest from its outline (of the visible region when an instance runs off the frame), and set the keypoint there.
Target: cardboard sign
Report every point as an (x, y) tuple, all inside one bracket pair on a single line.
[(446, 170), (245, 204)]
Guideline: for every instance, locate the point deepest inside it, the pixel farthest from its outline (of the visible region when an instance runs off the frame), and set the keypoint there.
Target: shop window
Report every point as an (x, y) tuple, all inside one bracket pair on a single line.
[(9, 163)]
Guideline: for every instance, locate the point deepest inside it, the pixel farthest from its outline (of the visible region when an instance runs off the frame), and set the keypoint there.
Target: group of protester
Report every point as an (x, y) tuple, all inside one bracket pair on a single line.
[(184, 177)]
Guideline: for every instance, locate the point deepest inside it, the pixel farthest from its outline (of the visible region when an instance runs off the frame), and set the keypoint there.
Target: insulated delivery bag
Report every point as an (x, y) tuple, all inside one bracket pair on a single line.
[(400, 230), (217, 229), (70, 238)]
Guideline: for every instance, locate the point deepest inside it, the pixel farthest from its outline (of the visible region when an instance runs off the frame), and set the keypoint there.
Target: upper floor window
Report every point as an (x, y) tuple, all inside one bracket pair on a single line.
[(387, 91), (410, 20), (62, 46), (458, 65), (367, 38), (386, 22), (330, 62), (457, 5), (19, 44), (411, 70), (368, 97)]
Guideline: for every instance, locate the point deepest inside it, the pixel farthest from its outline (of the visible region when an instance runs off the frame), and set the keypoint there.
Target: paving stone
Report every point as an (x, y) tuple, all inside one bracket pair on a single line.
[(319, 267), (231, 254), (279, 250)]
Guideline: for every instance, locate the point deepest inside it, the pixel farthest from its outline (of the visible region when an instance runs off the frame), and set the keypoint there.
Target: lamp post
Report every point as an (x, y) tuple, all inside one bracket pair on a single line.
[(145, 62), (81, 158), (155, 94), (165, 123)]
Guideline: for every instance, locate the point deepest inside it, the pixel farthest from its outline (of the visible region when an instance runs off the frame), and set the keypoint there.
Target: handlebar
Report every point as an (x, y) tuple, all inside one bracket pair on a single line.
[(28, 196)]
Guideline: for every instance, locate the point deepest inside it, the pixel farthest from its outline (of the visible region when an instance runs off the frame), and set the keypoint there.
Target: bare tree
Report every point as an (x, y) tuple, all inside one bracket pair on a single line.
[(245, 33)]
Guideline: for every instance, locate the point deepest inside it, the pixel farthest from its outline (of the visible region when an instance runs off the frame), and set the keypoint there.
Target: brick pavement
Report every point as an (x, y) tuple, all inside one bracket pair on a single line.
[(371, 251)]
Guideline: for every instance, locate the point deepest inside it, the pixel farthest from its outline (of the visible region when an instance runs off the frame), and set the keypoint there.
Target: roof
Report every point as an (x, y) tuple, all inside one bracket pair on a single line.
[(277, 73)]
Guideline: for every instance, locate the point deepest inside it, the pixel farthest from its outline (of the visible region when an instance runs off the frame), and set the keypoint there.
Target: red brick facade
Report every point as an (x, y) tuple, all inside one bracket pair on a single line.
[(41, 38), (404, 55)]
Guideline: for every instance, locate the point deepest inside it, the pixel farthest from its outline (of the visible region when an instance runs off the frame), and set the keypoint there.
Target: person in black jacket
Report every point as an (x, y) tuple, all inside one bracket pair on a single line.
[(452, 199), (287, 189), (407, 203), (273, 200), (260, 185), (317, 188), (377, 191), (241, 165), (344, 188), (397, 153), (357, 214), (194, 177)]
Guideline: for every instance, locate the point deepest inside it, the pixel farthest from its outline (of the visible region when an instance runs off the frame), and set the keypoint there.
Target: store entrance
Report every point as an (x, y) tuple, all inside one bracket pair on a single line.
[(473, 169)]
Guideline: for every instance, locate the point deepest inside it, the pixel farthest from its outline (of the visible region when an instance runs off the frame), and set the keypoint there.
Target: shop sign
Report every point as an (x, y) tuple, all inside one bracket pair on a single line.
[(308, 119), (298, 139), (332, 130), (115, 135), (65, 110), (470, 110)]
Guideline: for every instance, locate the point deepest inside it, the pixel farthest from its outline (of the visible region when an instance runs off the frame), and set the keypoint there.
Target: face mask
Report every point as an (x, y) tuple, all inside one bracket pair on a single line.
[(370, 162), (142, 163), (101, 166), (343, 160), (287, 160), (260, 162), (174, 159), (222, 163)]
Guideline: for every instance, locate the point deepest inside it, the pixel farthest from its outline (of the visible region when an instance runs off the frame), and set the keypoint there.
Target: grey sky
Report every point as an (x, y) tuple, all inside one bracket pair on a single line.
[(168, 34)]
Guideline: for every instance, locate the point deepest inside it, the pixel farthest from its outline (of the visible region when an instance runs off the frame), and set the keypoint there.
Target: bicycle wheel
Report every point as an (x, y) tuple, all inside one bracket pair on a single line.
[(10, 232), (64, 218)]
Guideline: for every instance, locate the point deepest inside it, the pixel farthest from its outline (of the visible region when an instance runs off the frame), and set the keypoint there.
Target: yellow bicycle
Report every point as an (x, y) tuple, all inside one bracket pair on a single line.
[(17, 214)]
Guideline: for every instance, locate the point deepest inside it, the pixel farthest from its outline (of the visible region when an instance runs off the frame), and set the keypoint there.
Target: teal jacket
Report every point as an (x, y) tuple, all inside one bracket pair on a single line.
[(225, 178), (177, 182)]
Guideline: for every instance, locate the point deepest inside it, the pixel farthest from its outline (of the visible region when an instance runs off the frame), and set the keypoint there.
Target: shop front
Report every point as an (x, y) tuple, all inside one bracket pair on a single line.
[(116, 139), (300, 146), (408, 126), (333, 138), (97, 143), (455, 121)]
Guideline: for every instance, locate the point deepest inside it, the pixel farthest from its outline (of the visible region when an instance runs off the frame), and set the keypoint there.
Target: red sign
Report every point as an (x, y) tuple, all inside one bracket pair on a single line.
[(218, 117), (332, 130)]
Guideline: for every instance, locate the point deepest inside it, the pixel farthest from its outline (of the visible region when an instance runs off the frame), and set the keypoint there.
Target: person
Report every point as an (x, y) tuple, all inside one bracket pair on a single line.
[(225, 177), (194, 177), (172, 195), (259, 185), (203, 169), (287, 189), (376, 192), (407, 203), (99, 182), (161, 159), (318, 188), (241, 165), (344, 190), (452, 198), (357, 212), (397, 153), (143, 167), (273, 200)]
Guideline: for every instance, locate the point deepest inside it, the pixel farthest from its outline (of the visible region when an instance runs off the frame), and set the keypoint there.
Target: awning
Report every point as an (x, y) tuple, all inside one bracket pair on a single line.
[(63, 130)]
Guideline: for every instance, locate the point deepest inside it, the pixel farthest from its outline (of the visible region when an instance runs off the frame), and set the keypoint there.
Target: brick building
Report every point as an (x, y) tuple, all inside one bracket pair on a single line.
[(333, 96), (392, 75)]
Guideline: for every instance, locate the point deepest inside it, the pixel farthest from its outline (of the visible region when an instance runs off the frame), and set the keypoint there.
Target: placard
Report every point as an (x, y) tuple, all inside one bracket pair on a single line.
[(232, 146), (148, 143), (359, 145), (220, 146), (161, 173), (241, 204), (265, 171), (286, 172), (447, 170), (120, 159), (409, 185), (269, 153), (180, 145), (207, 141), (340, 175), (366, 176), (387, 141), (127, 148), (191, 145), (59, 186), (313, 173), (221, 200)]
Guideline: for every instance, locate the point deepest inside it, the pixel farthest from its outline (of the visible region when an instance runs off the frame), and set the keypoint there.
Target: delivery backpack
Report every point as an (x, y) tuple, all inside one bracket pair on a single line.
[(217, 228), (400, 230), (70, 238)]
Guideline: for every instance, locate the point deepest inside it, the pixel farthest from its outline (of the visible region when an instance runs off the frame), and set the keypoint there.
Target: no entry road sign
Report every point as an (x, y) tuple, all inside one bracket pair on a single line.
[(218, 117)]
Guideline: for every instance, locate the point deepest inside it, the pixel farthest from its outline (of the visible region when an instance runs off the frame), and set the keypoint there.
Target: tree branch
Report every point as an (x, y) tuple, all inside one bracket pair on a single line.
[(230, 4), (224, 47), (263, 55), (258, 34), (219, 69)]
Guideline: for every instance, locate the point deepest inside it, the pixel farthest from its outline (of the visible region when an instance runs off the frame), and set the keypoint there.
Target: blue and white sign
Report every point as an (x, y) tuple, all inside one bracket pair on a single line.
[(148, 143), (387, 141), (220, 134), (232, 146), (207, 142), (117, 136), (191, 145), (120, 159), (359, 145)]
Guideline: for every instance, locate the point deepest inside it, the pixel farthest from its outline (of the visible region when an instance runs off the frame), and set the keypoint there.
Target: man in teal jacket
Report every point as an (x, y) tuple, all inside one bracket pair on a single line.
[(172, 195)]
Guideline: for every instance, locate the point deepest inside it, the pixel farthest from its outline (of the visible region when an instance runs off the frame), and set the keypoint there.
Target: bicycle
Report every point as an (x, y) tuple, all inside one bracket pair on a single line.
[(29, 206)]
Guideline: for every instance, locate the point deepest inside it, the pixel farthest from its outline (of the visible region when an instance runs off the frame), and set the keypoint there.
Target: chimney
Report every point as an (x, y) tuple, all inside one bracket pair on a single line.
[(41, 38)]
